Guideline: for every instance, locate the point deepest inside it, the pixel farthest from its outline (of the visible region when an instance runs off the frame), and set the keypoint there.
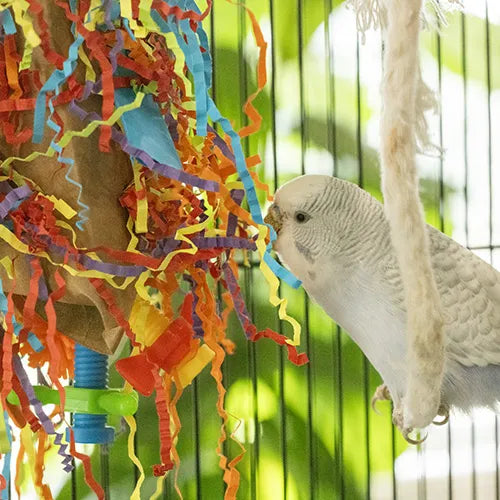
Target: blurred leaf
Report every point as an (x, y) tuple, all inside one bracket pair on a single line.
[(240, 400), (476, 58), (348, 167), (230, 94), (314, 12)]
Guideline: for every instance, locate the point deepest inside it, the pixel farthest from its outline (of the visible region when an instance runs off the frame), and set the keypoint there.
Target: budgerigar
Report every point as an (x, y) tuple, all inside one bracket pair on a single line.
[(336, 239)]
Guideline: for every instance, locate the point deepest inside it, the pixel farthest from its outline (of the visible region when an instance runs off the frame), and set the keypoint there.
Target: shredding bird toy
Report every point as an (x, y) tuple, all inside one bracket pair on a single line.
[(121, 190)]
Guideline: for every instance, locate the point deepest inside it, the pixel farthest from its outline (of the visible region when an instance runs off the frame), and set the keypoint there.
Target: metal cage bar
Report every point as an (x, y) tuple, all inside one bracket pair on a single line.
[(280, 354)]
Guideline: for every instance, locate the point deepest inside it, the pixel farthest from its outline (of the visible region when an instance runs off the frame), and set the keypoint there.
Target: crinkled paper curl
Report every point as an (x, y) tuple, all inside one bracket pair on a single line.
[(186, 223)]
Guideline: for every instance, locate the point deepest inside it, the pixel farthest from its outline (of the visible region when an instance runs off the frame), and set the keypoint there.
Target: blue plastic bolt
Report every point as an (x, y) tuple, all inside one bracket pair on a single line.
[(91, 372)]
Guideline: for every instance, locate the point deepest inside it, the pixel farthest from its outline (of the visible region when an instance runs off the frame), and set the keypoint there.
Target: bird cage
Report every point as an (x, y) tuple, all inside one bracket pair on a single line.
[(309, 431)]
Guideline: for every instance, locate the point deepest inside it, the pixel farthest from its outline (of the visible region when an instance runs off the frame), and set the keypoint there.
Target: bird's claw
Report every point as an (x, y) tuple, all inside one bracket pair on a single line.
[(381, 394), (398, 421), (443, 411), (408, 439)]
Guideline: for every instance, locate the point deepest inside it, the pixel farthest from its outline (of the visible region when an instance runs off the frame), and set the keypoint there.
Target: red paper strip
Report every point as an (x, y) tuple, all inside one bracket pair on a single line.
[(293, 355), (87, 468), (164, 428)]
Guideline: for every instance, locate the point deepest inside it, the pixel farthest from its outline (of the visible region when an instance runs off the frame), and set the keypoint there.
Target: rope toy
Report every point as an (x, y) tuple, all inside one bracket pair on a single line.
[(403, 132)]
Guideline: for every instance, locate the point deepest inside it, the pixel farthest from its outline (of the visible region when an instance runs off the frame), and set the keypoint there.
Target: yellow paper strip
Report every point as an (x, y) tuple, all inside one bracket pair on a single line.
[(160, 484), (6, 263), (194, 366), (4, 440), (66, 138), (274, 286), (136, 494), (27, 440), (22, 18), (18, 245), (90, 75), (141, 223), (145, 16), (132, 244), (62, 207), (126, 12)]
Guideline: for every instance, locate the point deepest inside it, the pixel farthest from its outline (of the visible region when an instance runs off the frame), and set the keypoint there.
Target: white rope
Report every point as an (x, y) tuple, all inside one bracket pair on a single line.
[(403, 129), (368, 15), (371, 13), (436, 18), (398, 129), (425, 100)]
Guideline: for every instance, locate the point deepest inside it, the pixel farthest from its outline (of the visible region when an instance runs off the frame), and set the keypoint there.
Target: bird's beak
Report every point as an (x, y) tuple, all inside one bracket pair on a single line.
[(274, 218)]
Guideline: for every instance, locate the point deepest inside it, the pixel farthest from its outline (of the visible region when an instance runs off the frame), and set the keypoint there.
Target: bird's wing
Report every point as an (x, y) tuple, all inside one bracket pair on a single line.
[(470, 294)]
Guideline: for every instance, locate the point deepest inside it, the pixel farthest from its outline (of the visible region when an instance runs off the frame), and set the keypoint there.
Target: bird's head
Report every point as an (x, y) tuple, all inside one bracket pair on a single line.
[(299, 217), (315, 217)]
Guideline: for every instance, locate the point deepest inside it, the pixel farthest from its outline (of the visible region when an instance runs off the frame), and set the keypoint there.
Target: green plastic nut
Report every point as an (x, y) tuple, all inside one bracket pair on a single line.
[(81, 400)]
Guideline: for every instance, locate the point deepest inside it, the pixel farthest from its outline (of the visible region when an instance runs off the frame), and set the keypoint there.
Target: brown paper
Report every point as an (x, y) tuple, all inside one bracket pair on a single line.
[(81, 313)]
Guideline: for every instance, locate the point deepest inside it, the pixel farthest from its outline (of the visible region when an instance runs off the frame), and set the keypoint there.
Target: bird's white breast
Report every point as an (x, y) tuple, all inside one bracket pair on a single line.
[(359, 303)]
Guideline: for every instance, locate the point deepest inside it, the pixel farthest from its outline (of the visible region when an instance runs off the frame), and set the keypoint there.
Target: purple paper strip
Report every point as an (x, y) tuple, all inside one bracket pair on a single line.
[(239, 303), (108, 4), (236, 194), (172, 126), (203, 216), (119, 39), (108, 268), (221, 144), (89, 263), (42, 416), (224, 242), (167, 245), (164, 247), (90, 88), (43, 293), (232, 221), (95, 265), (197, 323), (202, 264), (12, 198)]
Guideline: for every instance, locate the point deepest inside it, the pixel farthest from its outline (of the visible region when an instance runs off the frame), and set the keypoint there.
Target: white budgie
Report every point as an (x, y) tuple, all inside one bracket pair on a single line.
[(335, 238)]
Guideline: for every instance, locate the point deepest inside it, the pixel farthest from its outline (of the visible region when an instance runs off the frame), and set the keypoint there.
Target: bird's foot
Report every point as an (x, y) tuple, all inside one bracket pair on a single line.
[(443, 411), (381, 394), (398, 421)]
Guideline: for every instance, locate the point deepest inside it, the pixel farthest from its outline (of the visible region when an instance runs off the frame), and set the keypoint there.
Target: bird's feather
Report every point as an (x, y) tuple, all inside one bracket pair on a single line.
[(470, 293)]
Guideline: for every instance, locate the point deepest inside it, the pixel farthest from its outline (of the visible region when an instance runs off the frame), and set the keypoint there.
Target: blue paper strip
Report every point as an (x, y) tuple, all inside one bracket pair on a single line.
[(200, 67), (55, 80), (8, 24), (197, 68), (145, 129), (194, 61), (249, 185), (84, 209)]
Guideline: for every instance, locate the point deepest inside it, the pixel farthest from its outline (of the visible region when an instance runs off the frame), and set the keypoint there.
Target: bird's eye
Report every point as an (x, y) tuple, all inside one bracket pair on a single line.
[(301, 217)]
